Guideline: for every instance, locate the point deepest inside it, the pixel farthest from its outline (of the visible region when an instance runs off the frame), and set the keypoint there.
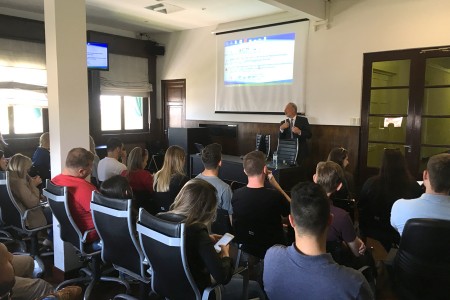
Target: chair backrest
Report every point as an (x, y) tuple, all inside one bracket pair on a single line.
[(115, 225), (251, 238), (422, 263), (163, 243), (263, 143), (57, 198), (287, 151), (11, 214), (222, 223)]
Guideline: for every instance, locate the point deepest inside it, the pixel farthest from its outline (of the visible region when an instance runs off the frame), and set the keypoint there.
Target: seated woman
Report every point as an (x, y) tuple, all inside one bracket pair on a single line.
[(119, 188), (116, 187), (340, 156), (141, 181), (379, 193), (25, 191), (196, 205), (168, 181)]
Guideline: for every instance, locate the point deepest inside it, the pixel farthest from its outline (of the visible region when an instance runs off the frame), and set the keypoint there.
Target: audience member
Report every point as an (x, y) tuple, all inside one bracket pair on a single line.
[(340, 156), (168, 181), (212, 161), (434, 203), (16, 280), (25, 191), (110, 165), (379, 193), (304, 270), (141, 180), (257, 210), (78, 166), (196, 205), (117, 187), (341, 232), (3, 161), (94, 174), (41, 158)]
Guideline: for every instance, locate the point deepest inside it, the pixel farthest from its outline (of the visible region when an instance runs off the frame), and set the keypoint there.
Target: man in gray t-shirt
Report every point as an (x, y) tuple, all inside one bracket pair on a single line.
[(212, 160)]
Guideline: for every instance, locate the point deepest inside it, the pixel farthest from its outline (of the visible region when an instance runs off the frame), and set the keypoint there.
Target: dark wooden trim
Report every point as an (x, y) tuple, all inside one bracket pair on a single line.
[(125, 45), (22, 29)]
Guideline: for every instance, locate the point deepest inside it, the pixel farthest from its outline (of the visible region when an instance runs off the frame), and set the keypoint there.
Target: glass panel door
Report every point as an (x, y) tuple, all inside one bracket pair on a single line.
[(388, 108), (435, 120)]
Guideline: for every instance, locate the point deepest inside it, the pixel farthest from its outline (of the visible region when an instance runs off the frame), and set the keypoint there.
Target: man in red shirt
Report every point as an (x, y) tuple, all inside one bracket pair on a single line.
[(78, 166)]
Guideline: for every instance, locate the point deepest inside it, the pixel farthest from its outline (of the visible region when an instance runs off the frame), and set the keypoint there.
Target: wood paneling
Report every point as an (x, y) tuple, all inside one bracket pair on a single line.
[(324, 138)]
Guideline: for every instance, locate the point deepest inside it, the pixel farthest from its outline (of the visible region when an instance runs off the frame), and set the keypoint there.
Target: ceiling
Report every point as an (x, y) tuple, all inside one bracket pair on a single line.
[(152, 16)]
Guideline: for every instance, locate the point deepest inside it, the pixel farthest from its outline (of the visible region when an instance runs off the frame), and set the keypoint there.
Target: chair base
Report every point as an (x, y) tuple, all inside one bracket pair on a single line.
[(88, 279)]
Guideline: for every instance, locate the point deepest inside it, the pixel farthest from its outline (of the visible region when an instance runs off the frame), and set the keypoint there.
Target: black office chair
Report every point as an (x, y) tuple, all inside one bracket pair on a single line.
[(422, 264), (263, 143), (164, 245), (70, 233), (13, 217), (116, 227), (287, 151)]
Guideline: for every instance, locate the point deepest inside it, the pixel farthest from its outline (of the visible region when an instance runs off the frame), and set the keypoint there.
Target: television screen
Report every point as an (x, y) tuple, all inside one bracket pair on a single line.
[(97, 56)]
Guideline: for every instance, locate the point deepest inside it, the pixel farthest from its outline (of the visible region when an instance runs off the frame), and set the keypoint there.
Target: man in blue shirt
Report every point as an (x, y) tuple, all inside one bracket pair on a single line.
[(304, 270), (434, 203)]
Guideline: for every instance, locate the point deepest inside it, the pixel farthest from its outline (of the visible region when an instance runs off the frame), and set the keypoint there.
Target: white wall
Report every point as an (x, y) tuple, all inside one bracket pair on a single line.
[(334, 58)]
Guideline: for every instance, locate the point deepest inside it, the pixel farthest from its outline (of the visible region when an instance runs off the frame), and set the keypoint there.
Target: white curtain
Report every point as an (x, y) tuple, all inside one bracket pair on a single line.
[(127, 76), (22, 72)]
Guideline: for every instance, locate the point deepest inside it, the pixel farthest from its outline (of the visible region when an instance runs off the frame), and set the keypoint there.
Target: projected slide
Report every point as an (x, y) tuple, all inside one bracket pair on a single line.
[(263, 60)]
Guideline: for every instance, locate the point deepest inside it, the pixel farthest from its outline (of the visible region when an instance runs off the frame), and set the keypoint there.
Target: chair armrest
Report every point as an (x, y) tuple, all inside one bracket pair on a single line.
[(85, 234), (25, 214), (209, 289)]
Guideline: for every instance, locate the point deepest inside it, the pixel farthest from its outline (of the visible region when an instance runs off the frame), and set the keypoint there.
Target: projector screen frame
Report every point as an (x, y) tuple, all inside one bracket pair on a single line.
[(278, 112)]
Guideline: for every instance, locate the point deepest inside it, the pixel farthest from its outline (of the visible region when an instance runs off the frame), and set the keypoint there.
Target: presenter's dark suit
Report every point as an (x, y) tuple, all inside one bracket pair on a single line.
[(303, 124)]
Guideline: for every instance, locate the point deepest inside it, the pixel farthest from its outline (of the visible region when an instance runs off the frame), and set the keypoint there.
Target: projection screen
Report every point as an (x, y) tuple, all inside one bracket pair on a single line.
[(261, 69)]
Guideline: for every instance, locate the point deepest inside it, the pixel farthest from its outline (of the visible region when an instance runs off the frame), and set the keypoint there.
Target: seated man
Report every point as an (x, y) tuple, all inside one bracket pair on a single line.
[(330, 176), (304, 270), (78, 166), (15, 279), (110, 165), (257, 210), (212, 161), (434, 203)]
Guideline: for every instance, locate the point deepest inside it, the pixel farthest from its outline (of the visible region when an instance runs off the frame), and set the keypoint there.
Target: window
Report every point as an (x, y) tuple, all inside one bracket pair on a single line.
[(122, 113)]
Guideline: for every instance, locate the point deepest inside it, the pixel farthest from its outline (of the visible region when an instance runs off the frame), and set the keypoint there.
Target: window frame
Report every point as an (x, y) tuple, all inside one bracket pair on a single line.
[(145, 118), (13, 135)]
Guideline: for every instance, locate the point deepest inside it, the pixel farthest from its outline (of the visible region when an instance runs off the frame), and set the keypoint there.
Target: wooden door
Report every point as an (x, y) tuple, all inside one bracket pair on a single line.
[(405, 105), (174, 104)]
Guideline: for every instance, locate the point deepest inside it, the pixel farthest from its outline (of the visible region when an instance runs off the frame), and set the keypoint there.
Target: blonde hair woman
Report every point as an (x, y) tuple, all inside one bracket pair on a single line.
[(196, 206), (24, 189), (168, 181)]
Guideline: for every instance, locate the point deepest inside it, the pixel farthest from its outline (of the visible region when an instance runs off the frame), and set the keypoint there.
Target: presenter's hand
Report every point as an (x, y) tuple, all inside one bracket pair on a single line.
[(296, 130), (284, 125)]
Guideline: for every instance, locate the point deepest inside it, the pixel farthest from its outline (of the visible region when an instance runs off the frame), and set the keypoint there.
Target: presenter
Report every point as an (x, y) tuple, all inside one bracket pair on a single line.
[(296, 127)]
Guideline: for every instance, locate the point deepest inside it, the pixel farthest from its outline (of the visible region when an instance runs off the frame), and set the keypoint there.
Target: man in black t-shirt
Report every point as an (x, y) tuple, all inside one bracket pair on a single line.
[(257, 210)]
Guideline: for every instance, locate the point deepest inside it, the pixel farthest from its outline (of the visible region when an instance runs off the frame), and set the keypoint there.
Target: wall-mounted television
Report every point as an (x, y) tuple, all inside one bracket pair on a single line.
[(97, 56)]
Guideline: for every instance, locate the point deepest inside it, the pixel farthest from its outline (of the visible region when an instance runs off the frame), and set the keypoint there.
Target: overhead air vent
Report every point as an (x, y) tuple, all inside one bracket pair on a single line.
[(165, 8)]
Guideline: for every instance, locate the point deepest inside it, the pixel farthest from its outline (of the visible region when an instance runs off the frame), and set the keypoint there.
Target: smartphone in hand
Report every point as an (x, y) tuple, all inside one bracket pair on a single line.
[(224, 240)]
